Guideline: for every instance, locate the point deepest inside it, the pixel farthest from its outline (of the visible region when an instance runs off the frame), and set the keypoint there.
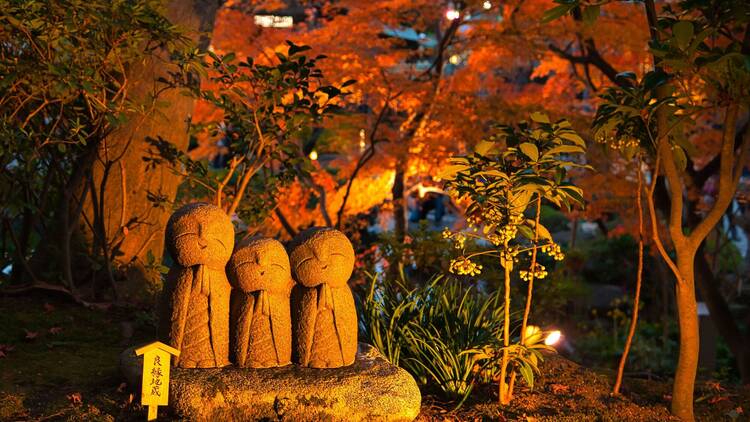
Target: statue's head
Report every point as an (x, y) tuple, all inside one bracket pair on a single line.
[(321, 255), (200, 234), (260, 264)]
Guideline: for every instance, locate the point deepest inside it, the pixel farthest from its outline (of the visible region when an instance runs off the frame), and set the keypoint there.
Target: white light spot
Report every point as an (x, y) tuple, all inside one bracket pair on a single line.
[(452, 14), (273, 21), (553, 337)]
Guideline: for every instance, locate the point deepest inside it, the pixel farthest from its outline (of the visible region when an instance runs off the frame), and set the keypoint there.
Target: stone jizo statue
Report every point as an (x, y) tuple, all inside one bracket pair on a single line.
[(323, 313), (195, 302), (261, 323)]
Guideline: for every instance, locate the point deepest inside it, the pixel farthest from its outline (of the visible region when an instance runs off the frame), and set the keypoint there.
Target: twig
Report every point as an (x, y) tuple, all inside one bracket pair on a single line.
[(639, 279)]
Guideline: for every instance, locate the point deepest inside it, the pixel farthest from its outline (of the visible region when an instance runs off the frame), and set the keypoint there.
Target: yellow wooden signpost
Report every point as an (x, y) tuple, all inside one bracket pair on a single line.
[(155, 381)]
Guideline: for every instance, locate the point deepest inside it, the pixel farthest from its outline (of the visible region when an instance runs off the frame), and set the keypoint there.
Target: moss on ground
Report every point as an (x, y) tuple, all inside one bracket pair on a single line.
[(61, 360), (61, 363)]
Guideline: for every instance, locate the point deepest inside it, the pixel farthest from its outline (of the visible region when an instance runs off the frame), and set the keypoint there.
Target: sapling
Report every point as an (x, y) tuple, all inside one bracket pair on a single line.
[(516, 167)]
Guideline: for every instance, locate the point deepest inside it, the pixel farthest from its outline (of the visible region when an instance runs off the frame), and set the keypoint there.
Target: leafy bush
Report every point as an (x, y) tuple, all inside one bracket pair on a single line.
[(445, 333), (654, 350), (64, 89)]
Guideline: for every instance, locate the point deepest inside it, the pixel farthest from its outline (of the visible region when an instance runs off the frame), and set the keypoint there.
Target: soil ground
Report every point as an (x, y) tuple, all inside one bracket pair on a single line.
[(59, 361)]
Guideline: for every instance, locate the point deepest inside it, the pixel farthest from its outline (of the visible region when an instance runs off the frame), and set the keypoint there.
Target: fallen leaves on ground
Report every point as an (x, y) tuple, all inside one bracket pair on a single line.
[(75, 398), (5, 349), (30, 335)]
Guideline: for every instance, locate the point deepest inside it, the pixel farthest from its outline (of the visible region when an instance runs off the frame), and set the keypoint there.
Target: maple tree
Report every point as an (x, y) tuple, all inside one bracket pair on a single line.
[(415, 102)]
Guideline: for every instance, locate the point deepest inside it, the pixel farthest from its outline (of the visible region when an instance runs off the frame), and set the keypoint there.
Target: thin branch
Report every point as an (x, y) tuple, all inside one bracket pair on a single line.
[(638, 282), (728, 177), (654, 220), (285, 223), (363, 159), (240, 192), (220, 188)]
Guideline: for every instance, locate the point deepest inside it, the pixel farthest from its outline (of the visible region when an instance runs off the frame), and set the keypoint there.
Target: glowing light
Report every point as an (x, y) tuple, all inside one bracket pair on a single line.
[(487, 5), (313, 155), (273, 21), (553, 337), (452, 14), (455, 59)]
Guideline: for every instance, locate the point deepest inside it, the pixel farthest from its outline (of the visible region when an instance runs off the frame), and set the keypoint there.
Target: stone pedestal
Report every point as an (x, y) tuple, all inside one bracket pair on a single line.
[(372, 389)]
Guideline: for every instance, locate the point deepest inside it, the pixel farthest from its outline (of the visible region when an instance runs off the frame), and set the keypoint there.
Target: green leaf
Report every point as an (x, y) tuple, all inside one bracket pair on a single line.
[(526, 232), (681, 140), (449, 172), (539, 117), (294, 48), (484, 147), (590, 13), (565, 149), (680, 159), (530, 150), (626, 75), (556, 12), (654, 79), (573, 137), (528, 375), (573, 192), (543, 232), (683, 33)]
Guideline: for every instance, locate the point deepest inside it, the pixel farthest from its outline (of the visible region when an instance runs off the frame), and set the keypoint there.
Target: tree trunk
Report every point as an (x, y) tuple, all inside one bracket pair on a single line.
[(132, 224), (399, 201), (687, 364)]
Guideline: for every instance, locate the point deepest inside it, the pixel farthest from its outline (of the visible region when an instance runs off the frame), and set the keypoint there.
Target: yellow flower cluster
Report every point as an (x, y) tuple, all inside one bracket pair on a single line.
[(553, 250), (494, 239), (459, 239), (617, 143), (515, 219), (508, 233), (539, 273), (464, 266), (508, 257), (492, 215)]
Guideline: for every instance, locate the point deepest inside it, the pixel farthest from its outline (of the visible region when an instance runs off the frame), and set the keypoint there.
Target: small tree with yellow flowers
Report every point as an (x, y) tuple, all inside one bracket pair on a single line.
[(517, 167)]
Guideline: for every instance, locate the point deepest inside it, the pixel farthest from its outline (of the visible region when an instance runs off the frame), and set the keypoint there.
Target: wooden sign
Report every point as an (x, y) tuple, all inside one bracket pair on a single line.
[(155, 380)]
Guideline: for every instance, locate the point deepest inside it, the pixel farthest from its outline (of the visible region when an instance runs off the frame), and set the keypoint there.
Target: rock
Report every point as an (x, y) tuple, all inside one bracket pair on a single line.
[(371, 389)]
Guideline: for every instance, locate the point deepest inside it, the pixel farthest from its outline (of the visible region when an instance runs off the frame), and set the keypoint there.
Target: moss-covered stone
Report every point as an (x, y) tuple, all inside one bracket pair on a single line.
[(372, 389)]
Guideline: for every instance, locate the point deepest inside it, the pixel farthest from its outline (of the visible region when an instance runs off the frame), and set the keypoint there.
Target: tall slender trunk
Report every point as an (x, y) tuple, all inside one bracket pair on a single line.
[(687, 364), (504, 393)]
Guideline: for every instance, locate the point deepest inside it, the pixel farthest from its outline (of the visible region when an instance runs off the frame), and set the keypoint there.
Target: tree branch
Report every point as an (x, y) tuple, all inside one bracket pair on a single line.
[(729, 172)]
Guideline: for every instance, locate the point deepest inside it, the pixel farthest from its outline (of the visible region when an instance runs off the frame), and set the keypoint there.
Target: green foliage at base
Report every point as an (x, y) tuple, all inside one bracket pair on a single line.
[(439, 332)]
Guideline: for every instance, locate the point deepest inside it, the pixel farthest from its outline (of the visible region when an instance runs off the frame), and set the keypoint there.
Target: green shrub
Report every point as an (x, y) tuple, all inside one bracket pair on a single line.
[(445, 333)]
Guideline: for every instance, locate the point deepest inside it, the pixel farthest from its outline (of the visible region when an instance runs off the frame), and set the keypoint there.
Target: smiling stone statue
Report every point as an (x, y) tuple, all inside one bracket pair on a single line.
[(323, 312), (261, 324), (195, 302)]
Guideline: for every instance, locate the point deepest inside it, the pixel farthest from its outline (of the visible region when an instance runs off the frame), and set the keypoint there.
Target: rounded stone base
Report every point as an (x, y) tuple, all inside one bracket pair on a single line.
[(371, 389)]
